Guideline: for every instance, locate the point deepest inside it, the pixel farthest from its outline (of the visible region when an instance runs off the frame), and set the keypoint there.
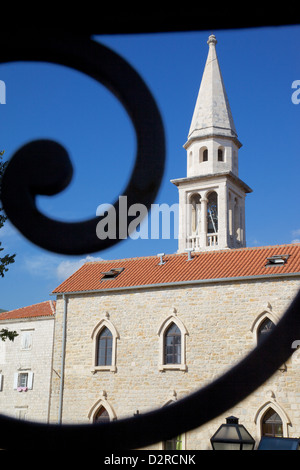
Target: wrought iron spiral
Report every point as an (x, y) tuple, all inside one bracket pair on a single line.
[(28, 175)]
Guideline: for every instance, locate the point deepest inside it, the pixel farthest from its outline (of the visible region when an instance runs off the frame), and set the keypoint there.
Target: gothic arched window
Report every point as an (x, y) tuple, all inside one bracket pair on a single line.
[(265, 327), (104, 350), (172, 341), (172, 345), (102, 416), (272, 424)]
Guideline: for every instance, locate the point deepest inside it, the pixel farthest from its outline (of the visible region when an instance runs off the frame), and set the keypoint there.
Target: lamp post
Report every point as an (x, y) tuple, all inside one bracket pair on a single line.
[(232, 436)]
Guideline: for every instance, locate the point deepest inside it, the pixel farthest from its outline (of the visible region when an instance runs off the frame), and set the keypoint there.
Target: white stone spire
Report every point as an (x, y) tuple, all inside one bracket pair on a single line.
[(212, 114)]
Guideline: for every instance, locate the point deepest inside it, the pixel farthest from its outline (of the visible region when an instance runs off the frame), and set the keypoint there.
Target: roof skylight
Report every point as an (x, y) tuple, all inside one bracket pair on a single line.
[(111, 274), (277, 260)]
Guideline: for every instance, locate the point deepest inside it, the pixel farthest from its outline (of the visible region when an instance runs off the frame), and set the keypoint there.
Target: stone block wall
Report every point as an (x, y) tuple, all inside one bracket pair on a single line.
[(218, 318)]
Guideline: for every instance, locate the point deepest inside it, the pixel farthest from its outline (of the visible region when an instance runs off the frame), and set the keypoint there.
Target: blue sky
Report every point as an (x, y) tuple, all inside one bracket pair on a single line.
[(48, 101)]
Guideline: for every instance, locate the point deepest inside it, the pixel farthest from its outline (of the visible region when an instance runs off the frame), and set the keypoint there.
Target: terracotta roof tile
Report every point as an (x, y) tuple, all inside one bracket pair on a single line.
[(146, 271), (42, 309)]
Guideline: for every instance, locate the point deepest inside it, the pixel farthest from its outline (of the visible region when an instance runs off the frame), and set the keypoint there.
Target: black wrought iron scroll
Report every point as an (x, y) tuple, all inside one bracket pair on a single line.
[(28, 175), (43, 167)]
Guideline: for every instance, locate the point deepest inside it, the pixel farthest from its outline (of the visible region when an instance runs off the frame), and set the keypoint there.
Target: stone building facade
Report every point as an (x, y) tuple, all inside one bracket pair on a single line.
[(132, 335), (26, 363), (138, 334), (219, 321)]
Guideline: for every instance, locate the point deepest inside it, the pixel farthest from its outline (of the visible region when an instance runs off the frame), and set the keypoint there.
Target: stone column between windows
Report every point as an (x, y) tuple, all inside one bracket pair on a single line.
[(222, 216), (203, 222)]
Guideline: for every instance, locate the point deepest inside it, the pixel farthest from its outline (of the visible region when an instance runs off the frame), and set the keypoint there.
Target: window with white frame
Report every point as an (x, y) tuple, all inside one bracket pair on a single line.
[(23, 381)]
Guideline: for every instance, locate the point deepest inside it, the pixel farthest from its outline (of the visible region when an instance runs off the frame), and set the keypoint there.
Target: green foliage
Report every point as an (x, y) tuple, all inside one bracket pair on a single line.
[(6, 334), (6, 260)]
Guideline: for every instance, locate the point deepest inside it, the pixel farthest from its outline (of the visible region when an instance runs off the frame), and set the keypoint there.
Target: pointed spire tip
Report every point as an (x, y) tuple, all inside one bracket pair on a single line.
[(212, 40)]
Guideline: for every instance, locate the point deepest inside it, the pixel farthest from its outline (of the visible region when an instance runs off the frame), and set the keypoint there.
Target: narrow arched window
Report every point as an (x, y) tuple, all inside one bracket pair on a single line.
[(272, 424), (104, 350), (102, 416), (172, 345), (203, 154), (265, 327), (220, 155)]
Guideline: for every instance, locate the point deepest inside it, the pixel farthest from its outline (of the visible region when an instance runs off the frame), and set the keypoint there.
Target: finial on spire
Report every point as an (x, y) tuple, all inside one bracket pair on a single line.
[(212, 114), (212, 40)]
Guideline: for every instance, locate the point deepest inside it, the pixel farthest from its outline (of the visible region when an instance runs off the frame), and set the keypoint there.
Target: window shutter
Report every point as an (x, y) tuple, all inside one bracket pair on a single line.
[(16, 375), (30, 380)]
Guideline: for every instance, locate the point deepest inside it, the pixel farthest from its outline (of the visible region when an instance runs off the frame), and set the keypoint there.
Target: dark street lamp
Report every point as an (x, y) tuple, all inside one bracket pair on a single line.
[(232, 436)]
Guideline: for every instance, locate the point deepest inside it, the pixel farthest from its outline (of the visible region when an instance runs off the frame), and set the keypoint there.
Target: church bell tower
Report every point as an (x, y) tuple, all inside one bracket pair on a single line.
[(211, 197)]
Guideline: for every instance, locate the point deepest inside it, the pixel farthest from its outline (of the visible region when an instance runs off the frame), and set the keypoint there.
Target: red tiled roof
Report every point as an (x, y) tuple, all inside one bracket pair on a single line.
[(42, 309), (146, 271)]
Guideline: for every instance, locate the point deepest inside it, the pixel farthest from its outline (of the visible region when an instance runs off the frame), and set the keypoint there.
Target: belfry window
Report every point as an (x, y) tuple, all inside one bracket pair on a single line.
[(237, 231), (203, 154), (212, 213), (220, 155), (195, 213)]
